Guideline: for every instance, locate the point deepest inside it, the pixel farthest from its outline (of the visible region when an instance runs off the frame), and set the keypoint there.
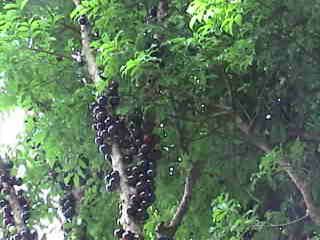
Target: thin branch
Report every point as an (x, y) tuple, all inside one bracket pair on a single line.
[(50, 53), (285, 224), (87, 50), (169, 229), (186, 198)]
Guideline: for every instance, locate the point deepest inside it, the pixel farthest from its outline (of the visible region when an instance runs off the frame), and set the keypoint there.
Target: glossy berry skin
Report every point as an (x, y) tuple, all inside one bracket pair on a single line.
[(98, 140), (82, 20), (104, 149), (114, 84), (3, 203), (102, 101)]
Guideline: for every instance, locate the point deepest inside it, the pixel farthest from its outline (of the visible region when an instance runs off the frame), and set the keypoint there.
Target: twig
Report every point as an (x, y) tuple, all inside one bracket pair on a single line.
[(283, 224), (50, 53)]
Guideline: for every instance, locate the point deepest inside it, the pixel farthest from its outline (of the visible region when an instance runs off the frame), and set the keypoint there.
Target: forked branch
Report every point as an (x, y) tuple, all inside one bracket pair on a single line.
[(170, 228)]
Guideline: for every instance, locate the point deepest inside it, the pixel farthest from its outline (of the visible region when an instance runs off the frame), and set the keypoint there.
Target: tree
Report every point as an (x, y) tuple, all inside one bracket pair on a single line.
[(225, 90)]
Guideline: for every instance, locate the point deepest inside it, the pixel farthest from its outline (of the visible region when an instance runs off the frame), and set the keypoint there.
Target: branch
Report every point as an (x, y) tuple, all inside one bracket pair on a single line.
[(118, 164), (169, 229), (87, 51), (186, 198), (304, 188)]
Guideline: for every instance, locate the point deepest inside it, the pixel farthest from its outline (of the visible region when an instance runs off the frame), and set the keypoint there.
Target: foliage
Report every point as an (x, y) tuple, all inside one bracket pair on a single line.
[(229, 221)]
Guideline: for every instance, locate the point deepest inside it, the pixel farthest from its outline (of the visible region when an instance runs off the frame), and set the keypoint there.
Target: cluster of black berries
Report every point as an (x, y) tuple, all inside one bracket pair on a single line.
[(25, 234), (8, 188), (125, 235), (108, 127), (141, 174), (133, 134), (68, 204)]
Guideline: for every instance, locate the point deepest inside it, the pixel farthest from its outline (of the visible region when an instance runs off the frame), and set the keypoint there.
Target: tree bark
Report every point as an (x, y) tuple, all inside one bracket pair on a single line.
[(117, 162)]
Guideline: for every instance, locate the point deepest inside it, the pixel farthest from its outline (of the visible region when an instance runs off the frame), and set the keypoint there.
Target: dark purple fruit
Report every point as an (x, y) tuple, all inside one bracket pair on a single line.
[(132, 180), (142, 214), (149, 183), (127, 235), (115, 175), (131, 211), (142, 177), (20, 192), (4, 178), (140, 186), (151, 197), (150, 173), (103, 133), (3, 203), (101, 116), (5, 191), (94, 126), (25, 216), (25, 207), (143, 195), (97, 109), (114, 84), (133, 150), (118, 232), (128, 159), (69, 213), (7, 210), (18, 182), (107, 157), (144, 204), (8, 221), (98, 140), (83, 20), (100, 126), (134, 199), (108, 121), (17, 237), (112, 130), (104, 149), (103, 100), (144, 148)]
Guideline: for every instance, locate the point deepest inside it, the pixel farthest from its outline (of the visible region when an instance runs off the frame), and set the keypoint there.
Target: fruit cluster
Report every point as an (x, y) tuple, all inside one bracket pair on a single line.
[(108, 128), (68, 204), (9, 191), (138, 146)]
